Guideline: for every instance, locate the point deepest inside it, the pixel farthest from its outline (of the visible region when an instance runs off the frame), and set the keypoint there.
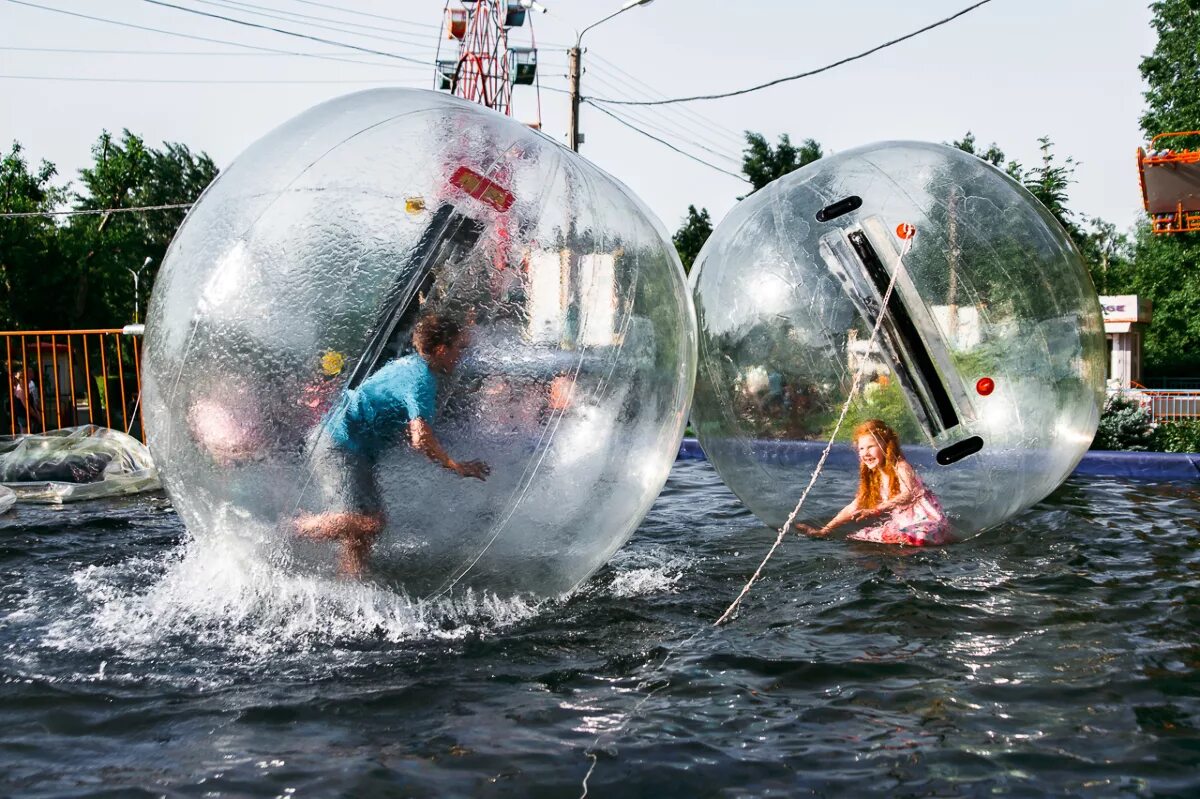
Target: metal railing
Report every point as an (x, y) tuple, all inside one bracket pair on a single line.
[(63, 378), (1170, 405)]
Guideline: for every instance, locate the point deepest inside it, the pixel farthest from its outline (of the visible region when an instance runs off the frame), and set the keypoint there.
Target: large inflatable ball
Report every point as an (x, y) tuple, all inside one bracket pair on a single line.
[(986, 358), (405, 339)]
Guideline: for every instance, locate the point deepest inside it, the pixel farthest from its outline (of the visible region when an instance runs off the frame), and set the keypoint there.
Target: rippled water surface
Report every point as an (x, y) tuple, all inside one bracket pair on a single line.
[(1059, 655)]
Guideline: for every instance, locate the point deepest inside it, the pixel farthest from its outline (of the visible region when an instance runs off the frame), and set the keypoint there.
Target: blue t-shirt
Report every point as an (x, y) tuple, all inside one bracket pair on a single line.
[(372, 417)]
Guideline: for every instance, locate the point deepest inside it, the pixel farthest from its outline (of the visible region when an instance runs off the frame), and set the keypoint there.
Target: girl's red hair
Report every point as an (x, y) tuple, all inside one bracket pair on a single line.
[(869, 480)]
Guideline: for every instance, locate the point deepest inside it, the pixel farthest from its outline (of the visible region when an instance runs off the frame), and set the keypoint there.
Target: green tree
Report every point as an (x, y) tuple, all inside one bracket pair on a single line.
[(1109, 255), (692, 234), (32, 278), (762, 163), (126, 174), (1172, 71), (1166, 266), (993, 154), (1047, 181)]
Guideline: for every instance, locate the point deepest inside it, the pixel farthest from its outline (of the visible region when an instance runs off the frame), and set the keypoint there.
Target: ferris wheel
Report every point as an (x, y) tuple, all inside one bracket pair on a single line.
[(487, 67)]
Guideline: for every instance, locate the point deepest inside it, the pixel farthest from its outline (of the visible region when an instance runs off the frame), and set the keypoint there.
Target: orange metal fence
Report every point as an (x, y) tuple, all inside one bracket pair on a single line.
[(63, 378)]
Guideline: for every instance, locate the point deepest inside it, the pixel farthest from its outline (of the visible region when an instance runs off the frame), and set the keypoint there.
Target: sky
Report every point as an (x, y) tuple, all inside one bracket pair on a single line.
[(1010, 71)]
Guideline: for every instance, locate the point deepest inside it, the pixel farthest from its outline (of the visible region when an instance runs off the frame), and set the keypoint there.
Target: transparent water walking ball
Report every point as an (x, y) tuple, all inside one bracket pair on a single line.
[(308, 267), (989, 359)]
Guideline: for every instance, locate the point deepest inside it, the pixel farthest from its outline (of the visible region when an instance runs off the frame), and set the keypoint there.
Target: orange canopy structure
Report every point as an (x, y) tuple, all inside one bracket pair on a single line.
[(1171, 185)]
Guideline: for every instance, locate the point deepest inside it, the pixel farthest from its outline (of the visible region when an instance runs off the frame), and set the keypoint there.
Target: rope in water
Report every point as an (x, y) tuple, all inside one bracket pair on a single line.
[(907, 235)]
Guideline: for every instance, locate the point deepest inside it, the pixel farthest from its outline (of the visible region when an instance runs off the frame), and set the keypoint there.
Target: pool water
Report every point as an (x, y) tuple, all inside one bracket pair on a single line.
[(1058, 655)]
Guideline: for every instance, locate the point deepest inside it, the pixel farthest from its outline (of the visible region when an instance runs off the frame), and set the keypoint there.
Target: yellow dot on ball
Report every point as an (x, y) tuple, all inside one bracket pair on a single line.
[(332, 362)]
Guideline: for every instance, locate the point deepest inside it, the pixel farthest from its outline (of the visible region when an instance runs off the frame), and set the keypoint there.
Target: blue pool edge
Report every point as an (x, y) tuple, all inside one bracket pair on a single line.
[(1096, 463)]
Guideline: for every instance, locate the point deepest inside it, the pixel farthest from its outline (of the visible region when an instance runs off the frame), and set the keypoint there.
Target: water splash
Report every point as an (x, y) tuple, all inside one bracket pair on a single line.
[(221, 593)]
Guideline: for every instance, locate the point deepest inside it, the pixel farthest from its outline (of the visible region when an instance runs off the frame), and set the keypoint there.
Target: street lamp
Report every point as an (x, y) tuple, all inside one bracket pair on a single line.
[(574, 57), (137, 275)]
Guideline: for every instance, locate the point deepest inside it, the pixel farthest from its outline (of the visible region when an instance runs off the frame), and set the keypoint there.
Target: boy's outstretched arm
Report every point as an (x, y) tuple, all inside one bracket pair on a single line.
[(424, 440)]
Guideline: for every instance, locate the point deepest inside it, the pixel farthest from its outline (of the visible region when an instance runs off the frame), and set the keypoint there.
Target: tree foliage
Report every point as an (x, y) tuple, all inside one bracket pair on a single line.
[(75, 273), (692, 234), (30, 247), (763, 163), (1172, 71), (1124, 425), (1167, 268), (1048, 181)]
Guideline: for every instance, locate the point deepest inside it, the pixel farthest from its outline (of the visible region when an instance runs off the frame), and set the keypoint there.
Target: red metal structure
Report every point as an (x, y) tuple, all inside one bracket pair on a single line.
[(1170, 182), (486, 68)]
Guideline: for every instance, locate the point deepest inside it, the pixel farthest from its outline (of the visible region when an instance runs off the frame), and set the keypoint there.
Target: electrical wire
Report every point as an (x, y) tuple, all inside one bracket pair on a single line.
[(346, 45), (683, 129), (87, 51), (663, 127), (807, 74), (633, 82), (209, 81), (366, 14), (202, 38), (89, 211), (247, 8), (604, 110), (255, 8)]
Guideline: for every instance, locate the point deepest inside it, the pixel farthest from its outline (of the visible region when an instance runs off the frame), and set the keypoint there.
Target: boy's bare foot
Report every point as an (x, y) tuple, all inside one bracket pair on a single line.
[(356, 532), (315, 527), (356, 548)]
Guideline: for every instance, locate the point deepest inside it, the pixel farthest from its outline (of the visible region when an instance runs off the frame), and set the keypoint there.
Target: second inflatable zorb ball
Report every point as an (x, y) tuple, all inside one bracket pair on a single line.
[(989, 357), (306, 268)]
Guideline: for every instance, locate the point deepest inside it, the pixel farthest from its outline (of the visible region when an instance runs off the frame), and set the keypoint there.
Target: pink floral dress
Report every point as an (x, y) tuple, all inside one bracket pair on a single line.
[(920, 523)]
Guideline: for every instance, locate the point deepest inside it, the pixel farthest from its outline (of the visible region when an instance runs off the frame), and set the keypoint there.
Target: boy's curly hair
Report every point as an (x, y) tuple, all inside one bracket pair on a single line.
[(436, 330)]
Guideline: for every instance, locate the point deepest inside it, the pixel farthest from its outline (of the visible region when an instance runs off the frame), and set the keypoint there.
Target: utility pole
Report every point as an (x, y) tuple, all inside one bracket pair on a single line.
[(573, 58), (574, 69)]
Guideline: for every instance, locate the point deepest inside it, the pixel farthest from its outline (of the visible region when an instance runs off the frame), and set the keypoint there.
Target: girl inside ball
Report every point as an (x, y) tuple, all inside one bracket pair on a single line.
[(888, 487)]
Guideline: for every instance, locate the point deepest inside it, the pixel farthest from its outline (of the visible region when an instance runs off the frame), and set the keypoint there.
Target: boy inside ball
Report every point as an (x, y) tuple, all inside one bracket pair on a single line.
[(396, 402)]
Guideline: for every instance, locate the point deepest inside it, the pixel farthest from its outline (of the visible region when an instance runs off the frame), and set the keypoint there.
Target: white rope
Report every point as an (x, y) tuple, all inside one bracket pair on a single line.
[(887, 295), (783, 531)]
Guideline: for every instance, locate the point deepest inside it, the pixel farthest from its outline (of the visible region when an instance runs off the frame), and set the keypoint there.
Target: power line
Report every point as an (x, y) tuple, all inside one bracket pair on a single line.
[(88, 51), (200, 38), (666, 128), (365, 14), (811, 72), (90, 211), (373, 26), (679, 128), (77, 79), (656, 94), (603, 110), (285, 32), (248, 8)]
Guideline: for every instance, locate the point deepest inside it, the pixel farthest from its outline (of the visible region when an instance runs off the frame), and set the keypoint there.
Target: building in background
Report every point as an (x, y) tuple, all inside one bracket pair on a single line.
[(1126, 317)]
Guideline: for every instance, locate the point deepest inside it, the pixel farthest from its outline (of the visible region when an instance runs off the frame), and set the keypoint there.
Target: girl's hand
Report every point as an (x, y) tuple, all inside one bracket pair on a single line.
[(805, 529), (862, 514)]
